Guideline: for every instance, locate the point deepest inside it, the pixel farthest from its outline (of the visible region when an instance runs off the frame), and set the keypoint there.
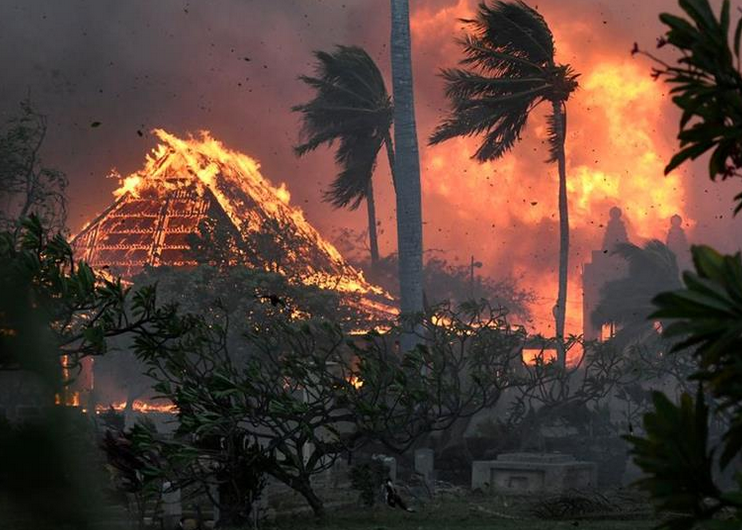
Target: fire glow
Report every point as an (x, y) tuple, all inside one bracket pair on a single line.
[(212, 166), (505, 212), (142, 407)]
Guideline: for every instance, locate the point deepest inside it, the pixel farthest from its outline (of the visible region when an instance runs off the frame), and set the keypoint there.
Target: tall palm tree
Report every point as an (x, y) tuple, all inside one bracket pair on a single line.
[(406, 170), (351, 106), (507, 71), (627, 301)]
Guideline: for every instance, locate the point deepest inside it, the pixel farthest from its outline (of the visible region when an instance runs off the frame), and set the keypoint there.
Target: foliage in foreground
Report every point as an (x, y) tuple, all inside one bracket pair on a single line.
[(677, 452), (706, 86), (54, 311), (303, 393), (55, 306)]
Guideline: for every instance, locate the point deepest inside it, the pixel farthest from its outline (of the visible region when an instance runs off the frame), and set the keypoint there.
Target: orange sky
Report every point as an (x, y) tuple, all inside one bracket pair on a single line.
[(615, 156), (233, 70)]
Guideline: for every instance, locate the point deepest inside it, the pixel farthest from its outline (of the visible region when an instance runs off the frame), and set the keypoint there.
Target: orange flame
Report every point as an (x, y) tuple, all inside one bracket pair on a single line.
[(177, 162), (67, 399), (532, 356), (505, 211), (142, 407)]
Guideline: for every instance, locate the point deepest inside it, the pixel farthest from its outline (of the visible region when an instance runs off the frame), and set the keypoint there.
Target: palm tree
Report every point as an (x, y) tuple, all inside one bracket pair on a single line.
[(351, 106), (627, 301), (406, 170), (508, 70)]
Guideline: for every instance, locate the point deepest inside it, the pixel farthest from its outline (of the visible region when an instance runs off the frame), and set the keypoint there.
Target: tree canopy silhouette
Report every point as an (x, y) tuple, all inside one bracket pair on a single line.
[(627, 301)]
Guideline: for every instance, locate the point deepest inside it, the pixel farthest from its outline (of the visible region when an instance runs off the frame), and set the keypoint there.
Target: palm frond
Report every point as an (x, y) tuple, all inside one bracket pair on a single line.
[(500, 119), (481, 55), (515, 29), (464, 84), (356, 155), (653, 261), (352, 107), (507, 70), (628, 300)]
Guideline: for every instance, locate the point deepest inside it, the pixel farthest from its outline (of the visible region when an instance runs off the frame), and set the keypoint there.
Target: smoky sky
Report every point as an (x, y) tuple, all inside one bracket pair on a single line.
[(231, 67)]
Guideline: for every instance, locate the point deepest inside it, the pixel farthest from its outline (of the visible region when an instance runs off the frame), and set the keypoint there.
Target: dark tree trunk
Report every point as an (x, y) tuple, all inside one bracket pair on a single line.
[(231, 508), (304, 487), (406, 171), (560, 312), (373, 240)]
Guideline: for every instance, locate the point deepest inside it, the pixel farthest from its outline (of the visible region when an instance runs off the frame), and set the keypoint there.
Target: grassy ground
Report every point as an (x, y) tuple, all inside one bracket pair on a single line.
[(450, 514), (465, 512)]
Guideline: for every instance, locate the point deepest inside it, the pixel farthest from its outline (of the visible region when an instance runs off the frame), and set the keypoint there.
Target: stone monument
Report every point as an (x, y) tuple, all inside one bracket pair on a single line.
[(532, 473), (678, 243)]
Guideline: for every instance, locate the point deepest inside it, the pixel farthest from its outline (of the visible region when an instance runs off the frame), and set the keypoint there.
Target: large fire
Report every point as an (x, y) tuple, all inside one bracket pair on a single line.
[(505, 212)]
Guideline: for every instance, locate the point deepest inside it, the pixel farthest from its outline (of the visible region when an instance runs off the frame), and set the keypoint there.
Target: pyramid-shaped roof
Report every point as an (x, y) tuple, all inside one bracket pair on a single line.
[(186, 182)]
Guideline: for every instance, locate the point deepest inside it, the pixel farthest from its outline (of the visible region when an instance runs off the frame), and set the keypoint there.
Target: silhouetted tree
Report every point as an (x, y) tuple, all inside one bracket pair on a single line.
[(627, 301), (27, 186), (351, 106), (509, 69)]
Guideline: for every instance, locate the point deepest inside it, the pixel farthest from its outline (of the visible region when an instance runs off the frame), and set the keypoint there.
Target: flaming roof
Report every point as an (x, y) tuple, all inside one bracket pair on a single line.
[(186, 182)]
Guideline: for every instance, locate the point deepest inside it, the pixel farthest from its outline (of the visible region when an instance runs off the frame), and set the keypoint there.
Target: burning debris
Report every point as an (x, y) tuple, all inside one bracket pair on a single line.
[(143, 407)]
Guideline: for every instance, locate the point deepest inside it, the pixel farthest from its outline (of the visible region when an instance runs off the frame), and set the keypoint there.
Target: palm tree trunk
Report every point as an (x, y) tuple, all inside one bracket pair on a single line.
[(373, 240), (560, 313), (406, 172)]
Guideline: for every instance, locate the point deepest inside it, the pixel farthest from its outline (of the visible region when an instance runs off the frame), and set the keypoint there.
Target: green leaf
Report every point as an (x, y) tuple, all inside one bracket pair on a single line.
[(680, 25), (691, 152)]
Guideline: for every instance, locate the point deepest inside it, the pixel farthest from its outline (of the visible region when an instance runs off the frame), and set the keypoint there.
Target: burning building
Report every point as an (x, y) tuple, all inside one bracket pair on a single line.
[(195, 201), (195, 198)]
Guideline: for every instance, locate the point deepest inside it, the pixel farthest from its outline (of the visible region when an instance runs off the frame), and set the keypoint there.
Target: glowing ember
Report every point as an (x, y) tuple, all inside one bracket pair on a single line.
[(356, 381), (67, 399)]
